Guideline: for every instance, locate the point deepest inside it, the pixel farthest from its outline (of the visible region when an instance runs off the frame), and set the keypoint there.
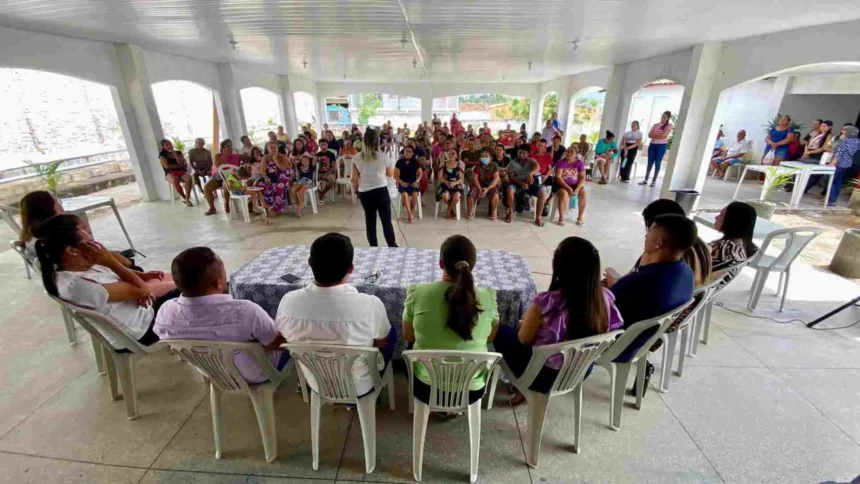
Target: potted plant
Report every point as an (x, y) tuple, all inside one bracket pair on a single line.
[(846, 259), (774, 179), (178, 144), (49, 172), (773, 123)]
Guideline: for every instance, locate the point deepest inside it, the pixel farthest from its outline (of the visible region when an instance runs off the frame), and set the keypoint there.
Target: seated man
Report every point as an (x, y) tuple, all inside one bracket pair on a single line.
[(732, 155), (523, 180), (205, 311), (201, 161), (327, 175), (330, 310), (662, 282)]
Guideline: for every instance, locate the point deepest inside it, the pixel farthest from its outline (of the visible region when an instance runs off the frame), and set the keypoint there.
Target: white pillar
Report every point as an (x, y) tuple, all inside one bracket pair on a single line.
[(534, 111), (140, 123), (564, 97), (288, 108), (426, 107), (613, 118), (322, 116), (229, 102), (697, 112)]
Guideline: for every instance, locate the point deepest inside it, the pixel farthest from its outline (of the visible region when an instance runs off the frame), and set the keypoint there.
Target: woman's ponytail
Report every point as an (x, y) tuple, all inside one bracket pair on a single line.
[(53, 236), (458, 257)]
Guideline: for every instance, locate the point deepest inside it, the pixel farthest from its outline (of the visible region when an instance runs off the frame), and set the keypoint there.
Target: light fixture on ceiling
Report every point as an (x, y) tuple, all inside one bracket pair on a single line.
[(232, 43), (403, 42), (305, 63), (414, 63), (575, 44), (503, 78), (344, 77), (530, 66)]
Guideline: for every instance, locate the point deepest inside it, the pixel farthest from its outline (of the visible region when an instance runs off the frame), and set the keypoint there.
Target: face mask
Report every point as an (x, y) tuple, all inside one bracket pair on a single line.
[(485, 161)]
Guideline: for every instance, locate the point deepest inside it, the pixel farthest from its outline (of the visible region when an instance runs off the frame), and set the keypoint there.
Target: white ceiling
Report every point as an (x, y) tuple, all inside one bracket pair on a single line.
[(455, 40)]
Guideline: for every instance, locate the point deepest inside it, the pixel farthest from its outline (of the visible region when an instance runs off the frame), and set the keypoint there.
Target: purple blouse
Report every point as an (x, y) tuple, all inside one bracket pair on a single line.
[(554, 328)]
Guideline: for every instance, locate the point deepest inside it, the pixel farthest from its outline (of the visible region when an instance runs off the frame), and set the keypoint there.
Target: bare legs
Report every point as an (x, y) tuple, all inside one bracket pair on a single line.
[(298, 194), (209, 194), (542, 198), (183, 192)]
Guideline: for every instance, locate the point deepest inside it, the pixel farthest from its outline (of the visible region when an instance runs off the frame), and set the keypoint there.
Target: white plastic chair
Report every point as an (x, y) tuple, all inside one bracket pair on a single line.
[(398, 206), (687, 331), (332, 382), (463, 194), (214, 359), (240, 201), (578, 357), (796, 239), (572, 205), (703, 321), (119, 366), (632, 171), (312, 191), (345, 180), (451, 374), (620, 370)]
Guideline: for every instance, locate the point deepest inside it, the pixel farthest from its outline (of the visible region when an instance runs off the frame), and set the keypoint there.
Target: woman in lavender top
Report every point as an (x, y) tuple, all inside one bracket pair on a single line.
[(576, 306)]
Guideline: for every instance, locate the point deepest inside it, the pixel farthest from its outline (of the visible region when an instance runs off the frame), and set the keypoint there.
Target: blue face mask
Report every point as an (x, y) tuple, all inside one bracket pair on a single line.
[(485, 161)]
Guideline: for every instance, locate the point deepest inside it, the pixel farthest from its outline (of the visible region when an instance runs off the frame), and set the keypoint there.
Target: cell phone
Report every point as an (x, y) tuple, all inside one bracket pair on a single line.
[(290, 278), (612, 272)]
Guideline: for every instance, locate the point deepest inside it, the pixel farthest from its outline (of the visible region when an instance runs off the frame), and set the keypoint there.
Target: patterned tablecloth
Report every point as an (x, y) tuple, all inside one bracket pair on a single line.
[(260, 279)]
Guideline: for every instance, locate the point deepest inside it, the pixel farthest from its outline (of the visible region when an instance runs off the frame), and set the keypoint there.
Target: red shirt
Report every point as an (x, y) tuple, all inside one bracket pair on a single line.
[(545, 162)]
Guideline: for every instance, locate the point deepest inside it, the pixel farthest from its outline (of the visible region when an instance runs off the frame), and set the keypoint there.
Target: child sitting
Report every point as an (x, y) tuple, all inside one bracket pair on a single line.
[(236, 184), (450, 185), (304, 180), (255, 167)]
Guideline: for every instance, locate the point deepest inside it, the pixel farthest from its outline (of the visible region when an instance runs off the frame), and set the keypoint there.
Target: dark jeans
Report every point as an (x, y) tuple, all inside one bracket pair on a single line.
[(655, 158), (628, 163), (517, 357), (377, 201), (835, 187), (150, 337)]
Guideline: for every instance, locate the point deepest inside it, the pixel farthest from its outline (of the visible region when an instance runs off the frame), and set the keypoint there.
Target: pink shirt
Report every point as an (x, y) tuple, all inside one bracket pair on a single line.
[(219, 317), (660, 135)]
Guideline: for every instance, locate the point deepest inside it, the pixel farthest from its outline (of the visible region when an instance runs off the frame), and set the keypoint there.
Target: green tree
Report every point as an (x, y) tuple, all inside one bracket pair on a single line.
[(520, 108), (550, 105), (368, 104)]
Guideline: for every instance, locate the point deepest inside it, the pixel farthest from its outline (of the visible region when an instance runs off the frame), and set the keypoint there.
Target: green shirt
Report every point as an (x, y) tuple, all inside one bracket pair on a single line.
[(427, 310)]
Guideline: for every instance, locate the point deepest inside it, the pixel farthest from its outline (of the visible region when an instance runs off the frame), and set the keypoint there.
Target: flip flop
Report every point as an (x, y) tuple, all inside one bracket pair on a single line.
[(539, 223), (560, 223), (210, 212), (580, 222)]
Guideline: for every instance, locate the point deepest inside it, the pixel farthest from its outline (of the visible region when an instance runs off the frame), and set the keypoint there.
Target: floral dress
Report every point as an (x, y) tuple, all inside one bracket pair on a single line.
[(275, 193)]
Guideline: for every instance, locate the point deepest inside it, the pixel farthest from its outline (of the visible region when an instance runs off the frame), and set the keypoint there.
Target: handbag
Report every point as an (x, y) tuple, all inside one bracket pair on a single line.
[(768, 158), (826, 158)]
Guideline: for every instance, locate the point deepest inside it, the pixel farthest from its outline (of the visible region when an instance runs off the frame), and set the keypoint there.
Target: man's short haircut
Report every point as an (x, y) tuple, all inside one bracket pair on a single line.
[(194, 270), (681, 232), (524, 148), (331, 258), (662, 206)]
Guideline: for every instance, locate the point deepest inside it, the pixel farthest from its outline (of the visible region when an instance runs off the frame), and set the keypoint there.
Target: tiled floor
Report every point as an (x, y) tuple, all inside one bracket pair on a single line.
[(763, 401)]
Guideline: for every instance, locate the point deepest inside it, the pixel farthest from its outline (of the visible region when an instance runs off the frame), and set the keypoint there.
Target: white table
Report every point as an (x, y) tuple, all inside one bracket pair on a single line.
[(763, 226), (803, 172), (75, 205)]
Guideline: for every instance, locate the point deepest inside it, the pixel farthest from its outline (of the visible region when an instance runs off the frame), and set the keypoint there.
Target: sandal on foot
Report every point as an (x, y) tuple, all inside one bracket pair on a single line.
[(580, 222), (211, 211), (539, 223), (560, 223)]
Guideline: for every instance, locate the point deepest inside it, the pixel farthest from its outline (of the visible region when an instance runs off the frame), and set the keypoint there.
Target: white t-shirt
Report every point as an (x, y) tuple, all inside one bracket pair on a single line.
[(631, 136), (85, 289), (336, 315), (372, 172), (738, 148)]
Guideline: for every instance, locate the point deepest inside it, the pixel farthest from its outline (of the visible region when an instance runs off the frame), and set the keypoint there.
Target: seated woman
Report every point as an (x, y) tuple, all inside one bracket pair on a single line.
[(570, 182), (575, 306), (79, 270), (175, 170), (37, 207), (451, 184), (304, 180), (407, 173), (604, 153), (277, 171), (737, 223), (452, 314), (485, 182)]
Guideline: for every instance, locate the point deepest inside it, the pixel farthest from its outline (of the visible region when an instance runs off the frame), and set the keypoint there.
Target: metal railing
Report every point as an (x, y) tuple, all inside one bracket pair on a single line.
[(77, 162)]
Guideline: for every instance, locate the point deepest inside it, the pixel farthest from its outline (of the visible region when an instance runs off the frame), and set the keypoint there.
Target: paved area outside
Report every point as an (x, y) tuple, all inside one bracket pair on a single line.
[(763, 402)]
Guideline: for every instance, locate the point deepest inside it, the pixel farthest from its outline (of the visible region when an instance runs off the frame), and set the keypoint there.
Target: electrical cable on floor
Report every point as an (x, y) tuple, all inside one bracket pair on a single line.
[(765, 318)]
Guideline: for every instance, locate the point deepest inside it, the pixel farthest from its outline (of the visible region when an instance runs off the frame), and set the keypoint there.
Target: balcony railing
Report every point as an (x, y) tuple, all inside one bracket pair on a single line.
[(68, 164)]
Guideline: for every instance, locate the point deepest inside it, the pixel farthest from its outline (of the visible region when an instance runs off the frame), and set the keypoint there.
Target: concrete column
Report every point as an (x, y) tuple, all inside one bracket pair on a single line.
[(140, 123), (534, 111), (426, 107), (613, 119), (288, 108), (565, 95), (229, 102), (321, 115), (692, 135)]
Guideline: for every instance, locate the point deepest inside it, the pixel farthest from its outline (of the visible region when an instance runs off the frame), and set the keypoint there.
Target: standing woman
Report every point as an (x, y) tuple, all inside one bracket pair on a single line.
[(277, 169), (778, 139), (659, 135), (369, 178), (629, 148)]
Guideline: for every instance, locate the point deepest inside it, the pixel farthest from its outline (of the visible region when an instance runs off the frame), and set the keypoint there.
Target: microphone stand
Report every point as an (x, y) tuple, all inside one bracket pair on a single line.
[(831, 313)]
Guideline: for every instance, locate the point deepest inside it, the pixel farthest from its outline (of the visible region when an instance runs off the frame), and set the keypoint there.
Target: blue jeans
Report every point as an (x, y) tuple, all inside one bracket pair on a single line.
[(836, 187), (655, 158)]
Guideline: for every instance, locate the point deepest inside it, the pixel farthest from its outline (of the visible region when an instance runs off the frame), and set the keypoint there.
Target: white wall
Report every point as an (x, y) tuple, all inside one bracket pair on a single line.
[(742, 107), (167, 67), (805, 108), (649, 104), (827, 84)]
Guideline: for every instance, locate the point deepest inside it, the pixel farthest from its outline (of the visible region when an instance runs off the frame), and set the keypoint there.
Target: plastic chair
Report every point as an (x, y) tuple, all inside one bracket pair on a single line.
[(398, 206), (330, 367), (703, 322), (572, 205), (313, 190), (619, 370), (214, 359), (240, 201), (687, 330), (632, 171), (796, 239), (344, 181), (451, 374), (173, 191), (578, 357), (463, 195), (106, 335)]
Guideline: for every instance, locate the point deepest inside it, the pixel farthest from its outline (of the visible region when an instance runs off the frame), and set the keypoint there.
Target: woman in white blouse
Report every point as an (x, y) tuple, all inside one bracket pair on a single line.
[(370, 176), (79, 270), (630, 143)]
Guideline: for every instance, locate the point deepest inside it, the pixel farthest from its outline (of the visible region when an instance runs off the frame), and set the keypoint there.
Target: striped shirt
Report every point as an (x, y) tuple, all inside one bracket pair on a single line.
[(660, 135), (845, 152)]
